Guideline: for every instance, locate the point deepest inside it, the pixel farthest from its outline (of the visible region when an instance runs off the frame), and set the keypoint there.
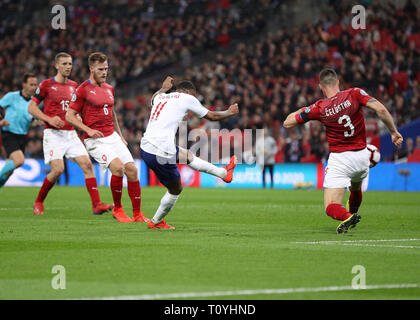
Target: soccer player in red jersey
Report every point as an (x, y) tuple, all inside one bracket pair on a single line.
[(94, 100), (348, 164), (60, 138)]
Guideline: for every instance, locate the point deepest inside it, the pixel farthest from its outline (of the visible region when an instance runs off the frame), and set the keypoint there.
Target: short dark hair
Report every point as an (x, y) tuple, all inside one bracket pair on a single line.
[(61, 55), (185, 85), (97, 56), (28, 75), (328, 77)]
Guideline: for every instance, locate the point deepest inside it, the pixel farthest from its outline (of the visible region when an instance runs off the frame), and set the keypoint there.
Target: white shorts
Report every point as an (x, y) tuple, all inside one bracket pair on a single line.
[(345, 167), (104, 150), (58, 144)]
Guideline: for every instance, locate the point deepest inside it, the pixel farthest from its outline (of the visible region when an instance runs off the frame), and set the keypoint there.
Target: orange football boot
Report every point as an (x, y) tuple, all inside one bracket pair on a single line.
[(140, 217), (160, 225), (229, 168), (101, 208), (119, 214), (38, 208)]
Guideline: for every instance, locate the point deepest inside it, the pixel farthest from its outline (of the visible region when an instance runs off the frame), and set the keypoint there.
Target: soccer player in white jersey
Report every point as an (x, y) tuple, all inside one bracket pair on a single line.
[(158, 148)]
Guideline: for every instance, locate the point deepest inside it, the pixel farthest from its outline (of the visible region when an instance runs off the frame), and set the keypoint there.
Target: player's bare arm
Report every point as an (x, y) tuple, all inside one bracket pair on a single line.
[(290, 121), (166, 86), (75, 121), (220, 115), (117, 127), (386, 118), (55, 121)]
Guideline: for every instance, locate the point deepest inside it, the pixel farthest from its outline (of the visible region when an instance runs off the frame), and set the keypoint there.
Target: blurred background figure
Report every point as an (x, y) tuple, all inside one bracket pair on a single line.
[(266, 157), (294, 150)]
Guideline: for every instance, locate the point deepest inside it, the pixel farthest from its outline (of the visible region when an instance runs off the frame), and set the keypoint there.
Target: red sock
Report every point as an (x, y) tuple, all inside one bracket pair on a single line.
[(116, 188), (92, 188), (337, 212), (134, 192), (46, 187), (355, 200)]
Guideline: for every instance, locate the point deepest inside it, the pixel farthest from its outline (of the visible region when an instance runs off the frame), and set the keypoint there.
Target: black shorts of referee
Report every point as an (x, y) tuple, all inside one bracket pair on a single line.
[(13, 142)]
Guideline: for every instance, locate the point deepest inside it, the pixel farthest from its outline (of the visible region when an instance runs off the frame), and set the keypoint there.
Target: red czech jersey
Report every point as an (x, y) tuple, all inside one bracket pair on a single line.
[(343, 118), (56, 97), (95, 106)]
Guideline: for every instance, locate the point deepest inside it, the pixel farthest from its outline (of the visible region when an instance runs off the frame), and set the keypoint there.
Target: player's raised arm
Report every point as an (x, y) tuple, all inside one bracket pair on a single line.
[(291, 120), (220, 115), (166, 86), (386, 118)]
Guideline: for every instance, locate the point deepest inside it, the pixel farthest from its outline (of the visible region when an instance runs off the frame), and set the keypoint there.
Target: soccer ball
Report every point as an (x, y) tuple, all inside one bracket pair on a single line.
[(374, 155)]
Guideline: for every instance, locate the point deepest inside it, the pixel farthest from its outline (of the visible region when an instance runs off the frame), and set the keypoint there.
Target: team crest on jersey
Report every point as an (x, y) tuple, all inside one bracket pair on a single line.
[(308, 109), (73, 97), (110, 94), (363, 92)]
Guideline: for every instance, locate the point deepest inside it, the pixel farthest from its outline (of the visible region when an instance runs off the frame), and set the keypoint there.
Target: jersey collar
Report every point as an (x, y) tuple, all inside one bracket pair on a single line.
[(53, 79), (333, 96), (21, 94)]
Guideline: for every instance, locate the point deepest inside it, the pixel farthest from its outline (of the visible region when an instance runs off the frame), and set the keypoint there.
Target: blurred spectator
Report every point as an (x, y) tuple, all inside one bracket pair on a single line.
[(405, 150), (293, 150), (266, 156)]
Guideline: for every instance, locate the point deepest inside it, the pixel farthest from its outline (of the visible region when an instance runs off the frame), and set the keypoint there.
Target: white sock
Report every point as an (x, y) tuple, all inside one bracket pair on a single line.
[(166, 204), (204, 166)]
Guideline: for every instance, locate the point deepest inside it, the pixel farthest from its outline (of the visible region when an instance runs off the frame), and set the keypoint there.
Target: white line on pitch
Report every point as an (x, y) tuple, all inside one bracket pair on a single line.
[(181, 295), (363, 243), (374, 245), (354, 241)]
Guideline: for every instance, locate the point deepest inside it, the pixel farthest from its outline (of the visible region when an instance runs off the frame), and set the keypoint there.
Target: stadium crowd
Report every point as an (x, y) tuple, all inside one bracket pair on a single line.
[(268, 78), (277, 75)]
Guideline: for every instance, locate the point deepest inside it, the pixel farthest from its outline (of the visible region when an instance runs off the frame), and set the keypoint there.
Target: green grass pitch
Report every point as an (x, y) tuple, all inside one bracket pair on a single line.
[(225, 240)]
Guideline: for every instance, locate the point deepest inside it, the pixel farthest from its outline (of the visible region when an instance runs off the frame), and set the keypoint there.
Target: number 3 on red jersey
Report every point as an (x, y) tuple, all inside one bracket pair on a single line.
[(347, 124)]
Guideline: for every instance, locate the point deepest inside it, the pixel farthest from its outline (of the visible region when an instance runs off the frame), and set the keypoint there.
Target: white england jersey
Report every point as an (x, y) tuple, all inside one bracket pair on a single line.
[(168, 110)]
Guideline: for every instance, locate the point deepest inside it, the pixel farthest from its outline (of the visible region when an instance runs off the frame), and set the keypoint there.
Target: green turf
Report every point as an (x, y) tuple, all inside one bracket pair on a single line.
[(224, 240)]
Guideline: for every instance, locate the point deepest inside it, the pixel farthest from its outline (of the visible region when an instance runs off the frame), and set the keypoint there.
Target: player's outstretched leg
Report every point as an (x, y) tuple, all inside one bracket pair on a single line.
[(134, 192), (98, 207), (117, 169), (166, 204), (225, 173)]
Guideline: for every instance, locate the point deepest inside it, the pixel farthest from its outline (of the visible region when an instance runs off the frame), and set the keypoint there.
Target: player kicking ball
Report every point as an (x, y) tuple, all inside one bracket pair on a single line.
[(94, 100), (60, 138), (348, 164), (158, 148)]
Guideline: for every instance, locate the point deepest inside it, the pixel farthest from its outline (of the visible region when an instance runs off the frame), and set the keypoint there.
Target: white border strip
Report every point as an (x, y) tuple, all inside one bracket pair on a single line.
[(181, 295)]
